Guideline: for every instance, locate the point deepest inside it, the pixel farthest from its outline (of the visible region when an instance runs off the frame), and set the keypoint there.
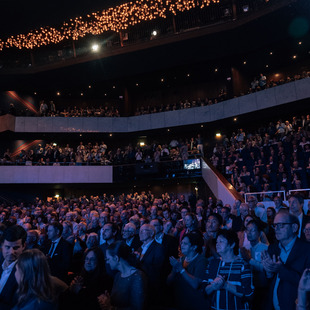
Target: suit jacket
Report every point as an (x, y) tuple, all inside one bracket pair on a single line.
[(170, 246), (136, 243), (305, 220), (289, 274), (8, 298), (61, 260), (152, 263)]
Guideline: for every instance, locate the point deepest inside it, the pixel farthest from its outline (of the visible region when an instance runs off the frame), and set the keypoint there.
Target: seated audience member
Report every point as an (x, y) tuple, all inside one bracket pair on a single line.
[(213, 226), (12, 245), (129, 289), (229, 278), (191, 264), (35, 285), (90, 283), (284, 262)]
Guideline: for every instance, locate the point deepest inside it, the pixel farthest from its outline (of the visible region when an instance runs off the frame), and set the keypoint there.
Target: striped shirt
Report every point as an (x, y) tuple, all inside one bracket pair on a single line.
[(238, 273)]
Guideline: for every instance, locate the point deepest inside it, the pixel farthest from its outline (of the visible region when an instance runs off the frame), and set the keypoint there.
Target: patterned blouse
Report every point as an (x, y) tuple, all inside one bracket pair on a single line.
[(238, 273)]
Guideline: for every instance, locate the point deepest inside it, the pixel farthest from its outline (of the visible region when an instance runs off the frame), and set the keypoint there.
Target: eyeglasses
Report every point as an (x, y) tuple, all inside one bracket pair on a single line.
[(280, 225), (307, 230)]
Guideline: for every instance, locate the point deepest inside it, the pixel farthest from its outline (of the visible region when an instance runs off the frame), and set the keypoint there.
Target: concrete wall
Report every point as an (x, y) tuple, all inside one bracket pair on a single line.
[(217, 187), (282, 94), (55, 174)]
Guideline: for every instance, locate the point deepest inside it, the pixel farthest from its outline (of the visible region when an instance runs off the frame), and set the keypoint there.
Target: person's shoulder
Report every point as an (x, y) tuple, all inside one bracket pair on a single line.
[(37, 304)]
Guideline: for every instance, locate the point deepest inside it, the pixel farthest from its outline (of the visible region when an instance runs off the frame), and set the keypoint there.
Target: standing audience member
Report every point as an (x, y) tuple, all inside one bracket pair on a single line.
[(284, 262), (129, 289), (13, 245), (59, 252), (35, 287), (188, 269), (229, 278), (152, 258), (90, 283)]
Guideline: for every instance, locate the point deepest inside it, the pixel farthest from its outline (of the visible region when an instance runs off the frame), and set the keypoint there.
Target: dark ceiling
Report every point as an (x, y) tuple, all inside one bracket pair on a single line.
[(279, 31)]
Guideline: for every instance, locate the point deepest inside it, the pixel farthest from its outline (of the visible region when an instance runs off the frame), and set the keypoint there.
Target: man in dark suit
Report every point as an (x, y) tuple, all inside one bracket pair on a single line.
[(296, 203), (152, 257), (130, 237), (13, 245), (169, 243), (59, 253), (285, 261)]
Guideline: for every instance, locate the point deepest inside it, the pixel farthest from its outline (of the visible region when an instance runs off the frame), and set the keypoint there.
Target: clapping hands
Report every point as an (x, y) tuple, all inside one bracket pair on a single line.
[(271, 265)]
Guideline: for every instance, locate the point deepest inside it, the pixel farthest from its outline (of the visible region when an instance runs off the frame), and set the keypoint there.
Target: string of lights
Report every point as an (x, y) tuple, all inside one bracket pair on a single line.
[(115, 19)]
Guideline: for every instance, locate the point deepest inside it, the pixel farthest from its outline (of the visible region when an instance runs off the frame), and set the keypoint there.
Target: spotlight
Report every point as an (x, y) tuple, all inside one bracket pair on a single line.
[(154, 33), (95, 47), (218, 135), (245, 8)]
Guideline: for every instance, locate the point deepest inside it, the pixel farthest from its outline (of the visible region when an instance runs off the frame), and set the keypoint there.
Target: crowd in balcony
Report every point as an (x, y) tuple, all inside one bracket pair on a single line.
[(49, 109), (142, 251), (273, 158), (99, 154)]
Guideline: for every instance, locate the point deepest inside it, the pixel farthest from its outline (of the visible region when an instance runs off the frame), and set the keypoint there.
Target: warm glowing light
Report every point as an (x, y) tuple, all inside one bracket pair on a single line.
[(235, 119), (142, 144), (116, 19), (216, 70), (267, 66), (299, 43), (89, 86), (110, 135), (58, 93), (218, 135), (294, 56), (95, 47), (57, 196), (270, 53), (154, 33), (82, 94), (244, 62)]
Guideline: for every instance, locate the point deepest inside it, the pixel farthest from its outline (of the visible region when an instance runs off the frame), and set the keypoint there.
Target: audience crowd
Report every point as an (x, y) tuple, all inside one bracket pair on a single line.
[(98, 153), (49, 109), (272, 158), (138, 251)]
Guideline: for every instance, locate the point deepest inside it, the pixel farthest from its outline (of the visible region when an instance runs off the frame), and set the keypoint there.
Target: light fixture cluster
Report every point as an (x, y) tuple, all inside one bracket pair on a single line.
[(113, 19)]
